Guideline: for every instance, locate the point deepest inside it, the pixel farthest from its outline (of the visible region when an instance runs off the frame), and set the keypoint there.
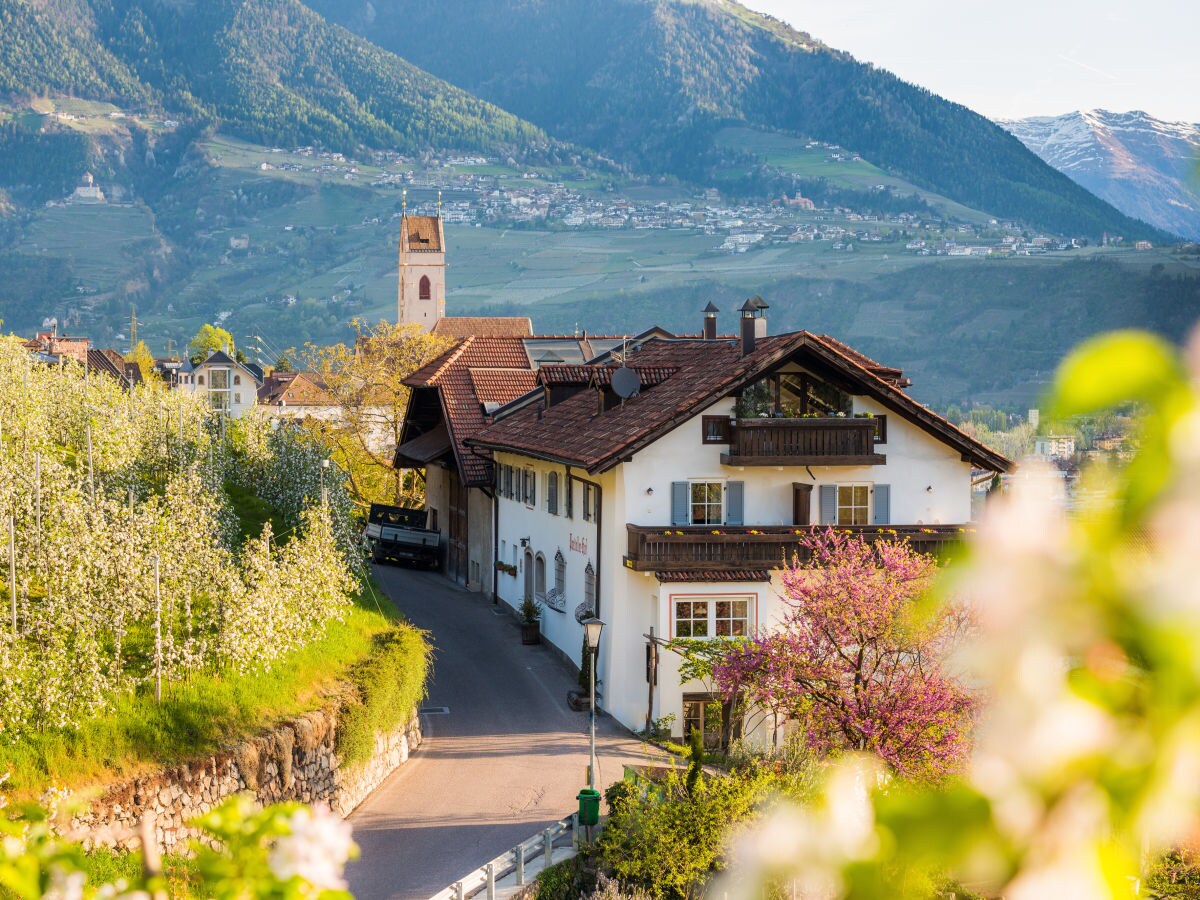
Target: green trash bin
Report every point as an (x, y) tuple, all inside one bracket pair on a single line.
[(589, 807)]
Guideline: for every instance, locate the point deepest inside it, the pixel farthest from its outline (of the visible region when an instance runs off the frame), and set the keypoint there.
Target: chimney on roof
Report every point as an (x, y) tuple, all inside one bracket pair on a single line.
[(749, 327), (710, 321), (760, 318)]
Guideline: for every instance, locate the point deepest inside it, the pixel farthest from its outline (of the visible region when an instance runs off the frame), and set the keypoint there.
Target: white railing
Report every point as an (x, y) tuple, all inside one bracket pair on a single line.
[(541, 845)]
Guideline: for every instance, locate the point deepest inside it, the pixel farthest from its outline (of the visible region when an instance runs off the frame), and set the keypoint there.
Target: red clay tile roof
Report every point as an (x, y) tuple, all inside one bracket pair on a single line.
[(502, 385), (295, 389), (573, 432), (733, 575), (100, 363), (483, 326), (505, 376), (599, 375), (424, 233)]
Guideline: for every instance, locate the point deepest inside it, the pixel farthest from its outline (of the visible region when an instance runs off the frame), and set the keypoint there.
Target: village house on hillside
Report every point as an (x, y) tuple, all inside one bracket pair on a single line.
[(298, 396), (452, 398), (52, 347), (662, 488), (230, 386)]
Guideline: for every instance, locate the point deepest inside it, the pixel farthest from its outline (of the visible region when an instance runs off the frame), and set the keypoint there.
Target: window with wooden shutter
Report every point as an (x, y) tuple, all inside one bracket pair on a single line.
[(680, 501), (552, 493), (883, 504), (828, 503), (735, 499), (569, 496)]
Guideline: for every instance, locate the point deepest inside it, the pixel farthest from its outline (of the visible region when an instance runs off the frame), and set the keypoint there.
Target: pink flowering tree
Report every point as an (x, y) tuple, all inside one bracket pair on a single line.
[(855, 661)]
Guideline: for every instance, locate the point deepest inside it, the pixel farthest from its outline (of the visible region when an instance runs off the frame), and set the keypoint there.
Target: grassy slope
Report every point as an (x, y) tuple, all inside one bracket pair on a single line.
[(195, 717), (202, 714)]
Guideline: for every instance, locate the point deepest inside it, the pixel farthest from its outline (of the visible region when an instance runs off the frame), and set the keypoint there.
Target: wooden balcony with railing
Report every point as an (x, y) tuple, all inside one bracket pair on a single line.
[(803, 442), (708, 548)]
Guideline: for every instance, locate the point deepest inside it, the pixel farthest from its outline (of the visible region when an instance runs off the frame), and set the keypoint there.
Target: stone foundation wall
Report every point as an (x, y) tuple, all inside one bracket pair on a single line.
[(294, 761)]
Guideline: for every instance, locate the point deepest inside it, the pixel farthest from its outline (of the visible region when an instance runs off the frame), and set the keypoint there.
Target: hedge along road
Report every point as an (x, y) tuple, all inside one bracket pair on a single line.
[(505, 762)]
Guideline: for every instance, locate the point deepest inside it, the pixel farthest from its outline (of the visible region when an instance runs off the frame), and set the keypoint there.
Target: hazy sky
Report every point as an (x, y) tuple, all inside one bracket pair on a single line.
[(1022, 58)]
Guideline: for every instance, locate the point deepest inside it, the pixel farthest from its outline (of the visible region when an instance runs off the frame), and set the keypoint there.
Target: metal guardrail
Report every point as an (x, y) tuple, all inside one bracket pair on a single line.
[(515, 860)]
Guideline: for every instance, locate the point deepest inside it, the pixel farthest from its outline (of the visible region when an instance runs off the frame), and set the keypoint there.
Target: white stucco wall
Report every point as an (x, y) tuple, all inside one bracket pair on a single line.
[(243, 396), (916, 462), (437, 499), (480, 562), (549, 534)]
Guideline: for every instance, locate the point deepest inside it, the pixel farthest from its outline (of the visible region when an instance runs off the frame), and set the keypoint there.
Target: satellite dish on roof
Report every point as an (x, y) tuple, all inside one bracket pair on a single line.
[(625, 383)]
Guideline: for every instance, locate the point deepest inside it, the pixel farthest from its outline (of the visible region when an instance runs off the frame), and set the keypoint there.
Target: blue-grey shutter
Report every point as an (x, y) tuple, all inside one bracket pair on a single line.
[(828, 494), (735, 494), (883, 504), (679, 503)]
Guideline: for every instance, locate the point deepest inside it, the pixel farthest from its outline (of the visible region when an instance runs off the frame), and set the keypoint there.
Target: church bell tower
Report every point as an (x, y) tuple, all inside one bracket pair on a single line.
[(422, 290)]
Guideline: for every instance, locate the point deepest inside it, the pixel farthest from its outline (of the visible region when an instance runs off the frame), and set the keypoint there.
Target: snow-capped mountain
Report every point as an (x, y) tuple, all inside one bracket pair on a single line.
[(1147, 168)]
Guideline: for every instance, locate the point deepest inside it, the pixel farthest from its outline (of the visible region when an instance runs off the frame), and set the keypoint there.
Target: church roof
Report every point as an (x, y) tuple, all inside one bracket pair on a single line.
[(424, 233), (483, 326)]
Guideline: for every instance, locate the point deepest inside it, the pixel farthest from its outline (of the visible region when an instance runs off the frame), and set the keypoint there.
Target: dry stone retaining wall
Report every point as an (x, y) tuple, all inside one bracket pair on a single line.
[(294, 761)]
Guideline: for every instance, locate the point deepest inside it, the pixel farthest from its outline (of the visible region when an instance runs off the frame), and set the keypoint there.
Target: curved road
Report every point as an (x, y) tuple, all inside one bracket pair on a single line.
[(505, 761)]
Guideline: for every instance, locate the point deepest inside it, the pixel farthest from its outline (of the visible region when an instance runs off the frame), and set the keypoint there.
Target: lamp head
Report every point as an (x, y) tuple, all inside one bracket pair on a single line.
[(591, 630)]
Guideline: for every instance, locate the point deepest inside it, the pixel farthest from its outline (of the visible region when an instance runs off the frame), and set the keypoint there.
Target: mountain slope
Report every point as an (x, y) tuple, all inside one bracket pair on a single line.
[(268, 70), (51, 47), (1143, 166), (650, 81)]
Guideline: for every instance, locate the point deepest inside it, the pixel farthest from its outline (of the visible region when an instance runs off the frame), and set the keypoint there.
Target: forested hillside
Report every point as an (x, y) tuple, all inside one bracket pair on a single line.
[(268, 70), (649, 81), (51, 47)]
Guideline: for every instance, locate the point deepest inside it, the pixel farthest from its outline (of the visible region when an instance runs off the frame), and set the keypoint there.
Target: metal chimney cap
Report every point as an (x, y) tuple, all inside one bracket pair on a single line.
[(711, 309), (748, 308), (759, 302)]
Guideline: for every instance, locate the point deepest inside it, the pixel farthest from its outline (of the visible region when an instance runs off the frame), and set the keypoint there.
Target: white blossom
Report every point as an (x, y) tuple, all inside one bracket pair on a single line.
[(316, 849)]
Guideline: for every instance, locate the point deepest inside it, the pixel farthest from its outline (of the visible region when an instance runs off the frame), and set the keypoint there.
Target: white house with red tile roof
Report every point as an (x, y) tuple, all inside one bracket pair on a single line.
[(453, 398), (666, 504)]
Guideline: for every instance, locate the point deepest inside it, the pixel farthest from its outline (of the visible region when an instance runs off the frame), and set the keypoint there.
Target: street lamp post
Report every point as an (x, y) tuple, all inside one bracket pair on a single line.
[(591, 629)]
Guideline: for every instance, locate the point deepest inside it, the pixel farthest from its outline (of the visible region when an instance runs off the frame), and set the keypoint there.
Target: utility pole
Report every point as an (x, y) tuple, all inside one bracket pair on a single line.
[(157, 635), (91, 468), (12, 570)]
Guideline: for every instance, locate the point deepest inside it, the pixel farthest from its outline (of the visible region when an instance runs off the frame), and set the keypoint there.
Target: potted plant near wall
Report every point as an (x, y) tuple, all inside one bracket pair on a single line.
[(530, 612)]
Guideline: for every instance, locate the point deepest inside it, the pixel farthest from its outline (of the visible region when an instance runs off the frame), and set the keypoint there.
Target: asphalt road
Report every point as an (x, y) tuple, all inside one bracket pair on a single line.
[(506, 761)]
